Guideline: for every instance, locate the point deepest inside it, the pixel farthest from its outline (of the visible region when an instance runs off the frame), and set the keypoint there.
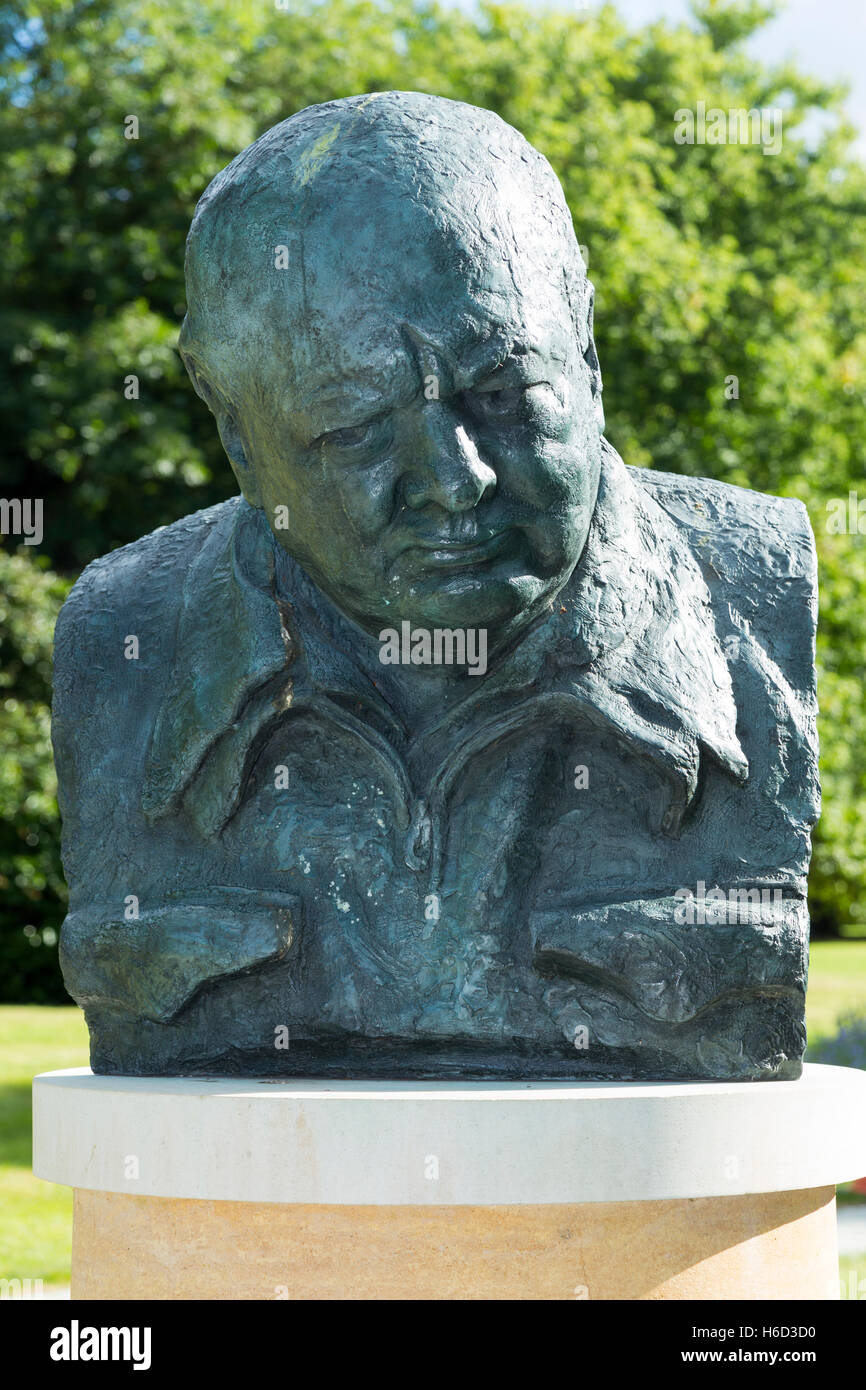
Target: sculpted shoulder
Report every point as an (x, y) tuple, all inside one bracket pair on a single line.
[(144, 577), (100, 694), (757, 556), (748, 538)]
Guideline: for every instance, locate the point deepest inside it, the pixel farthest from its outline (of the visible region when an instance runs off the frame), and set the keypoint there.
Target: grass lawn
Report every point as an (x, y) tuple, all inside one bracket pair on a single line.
[(837, 983), (36, 1217), (852, 1277)]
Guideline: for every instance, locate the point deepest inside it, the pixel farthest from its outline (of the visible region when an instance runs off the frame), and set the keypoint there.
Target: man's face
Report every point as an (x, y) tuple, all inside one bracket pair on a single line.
[(425, 416)]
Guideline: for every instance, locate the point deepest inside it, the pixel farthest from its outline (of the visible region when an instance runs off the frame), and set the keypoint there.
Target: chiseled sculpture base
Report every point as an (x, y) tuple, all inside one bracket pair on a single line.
[(775, 1245)]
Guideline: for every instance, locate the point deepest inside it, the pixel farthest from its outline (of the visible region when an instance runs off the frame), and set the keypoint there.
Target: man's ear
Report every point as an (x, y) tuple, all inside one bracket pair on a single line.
[(590, 356), (229, 432)]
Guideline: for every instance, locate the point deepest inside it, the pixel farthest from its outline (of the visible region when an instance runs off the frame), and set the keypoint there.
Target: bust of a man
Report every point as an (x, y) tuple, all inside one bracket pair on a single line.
[(451, 746)]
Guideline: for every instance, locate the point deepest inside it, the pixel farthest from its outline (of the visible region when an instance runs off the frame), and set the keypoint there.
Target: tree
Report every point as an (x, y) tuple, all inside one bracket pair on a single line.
[(32, 890)]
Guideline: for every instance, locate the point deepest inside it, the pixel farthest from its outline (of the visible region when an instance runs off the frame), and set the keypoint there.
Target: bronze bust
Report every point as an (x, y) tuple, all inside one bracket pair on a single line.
[(451, 747)]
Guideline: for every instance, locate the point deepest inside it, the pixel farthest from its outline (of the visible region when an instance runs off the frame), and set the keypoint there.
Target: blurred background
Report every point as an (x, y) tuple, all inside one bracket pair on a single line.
[(711, 263)]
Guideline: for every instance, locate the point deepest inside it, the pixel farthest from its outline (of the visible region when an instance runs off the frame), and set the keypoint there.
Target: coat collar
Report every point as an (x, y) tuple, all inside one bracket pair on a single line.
[(629, 643)]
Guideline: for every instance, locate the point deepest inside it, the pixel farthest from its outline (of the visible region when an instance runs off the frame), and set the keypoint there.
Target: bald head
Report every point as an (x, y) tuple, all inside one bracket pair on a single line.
[(366, 194)]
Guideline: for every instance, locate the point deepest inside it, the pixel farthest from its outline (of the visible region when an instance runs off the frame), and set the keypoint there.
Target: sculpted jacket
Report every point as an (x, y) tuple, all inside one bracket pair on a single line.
[(594, 865)]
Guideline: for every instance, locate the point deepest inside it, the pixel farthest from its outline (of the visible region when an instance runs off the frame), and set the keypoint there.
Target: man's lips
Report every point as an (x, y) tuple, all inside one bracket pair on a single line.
[(451, 552)]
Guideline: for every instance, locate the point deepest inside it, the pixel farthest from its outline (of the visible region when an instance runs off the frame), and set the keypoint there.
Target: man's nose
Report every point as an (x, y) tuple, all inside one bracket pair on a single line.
[(445, 467)]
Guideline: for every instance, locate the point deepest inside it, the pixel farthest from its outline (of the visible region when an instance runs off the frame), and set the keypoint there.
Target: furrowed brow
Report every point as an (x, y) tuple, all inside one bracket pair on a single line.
[(485, 359)]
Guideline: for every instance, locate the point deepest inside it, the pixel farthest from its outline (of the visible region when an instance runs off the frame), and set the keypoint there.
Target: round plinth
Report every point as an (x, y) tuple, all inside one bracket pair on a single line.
[(195, 1188)]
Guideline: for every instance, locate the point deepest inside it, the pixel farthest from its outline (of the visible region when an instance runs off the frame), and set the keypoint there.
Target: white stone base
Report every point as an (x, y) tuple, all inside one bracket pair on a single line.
[(437, 1189)]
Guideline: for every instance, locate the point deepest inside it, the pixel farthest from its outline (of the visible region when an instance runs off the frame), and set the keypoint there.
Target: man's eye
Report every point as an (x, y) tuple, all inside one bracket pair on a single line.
[(345, 438), (351, 436), (509, 400)]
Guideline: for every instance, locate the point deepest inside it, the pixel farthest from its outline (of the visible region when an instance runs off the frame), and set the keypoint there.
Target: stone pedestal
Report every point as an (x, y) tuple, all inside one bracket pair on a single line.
[(189, 1189)]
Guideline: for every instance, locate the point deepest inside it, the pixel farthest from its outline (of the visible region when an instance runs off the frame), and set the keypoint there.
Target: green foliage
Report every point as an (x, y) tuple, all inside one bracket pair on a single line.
[(729, 21), (709, 262), (32, 890)]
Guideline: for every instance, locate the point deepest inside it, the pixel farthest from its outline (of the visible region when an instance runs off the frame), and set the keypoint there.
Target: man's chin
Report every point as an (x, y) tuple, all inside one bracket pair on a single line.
[(466, 602)]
